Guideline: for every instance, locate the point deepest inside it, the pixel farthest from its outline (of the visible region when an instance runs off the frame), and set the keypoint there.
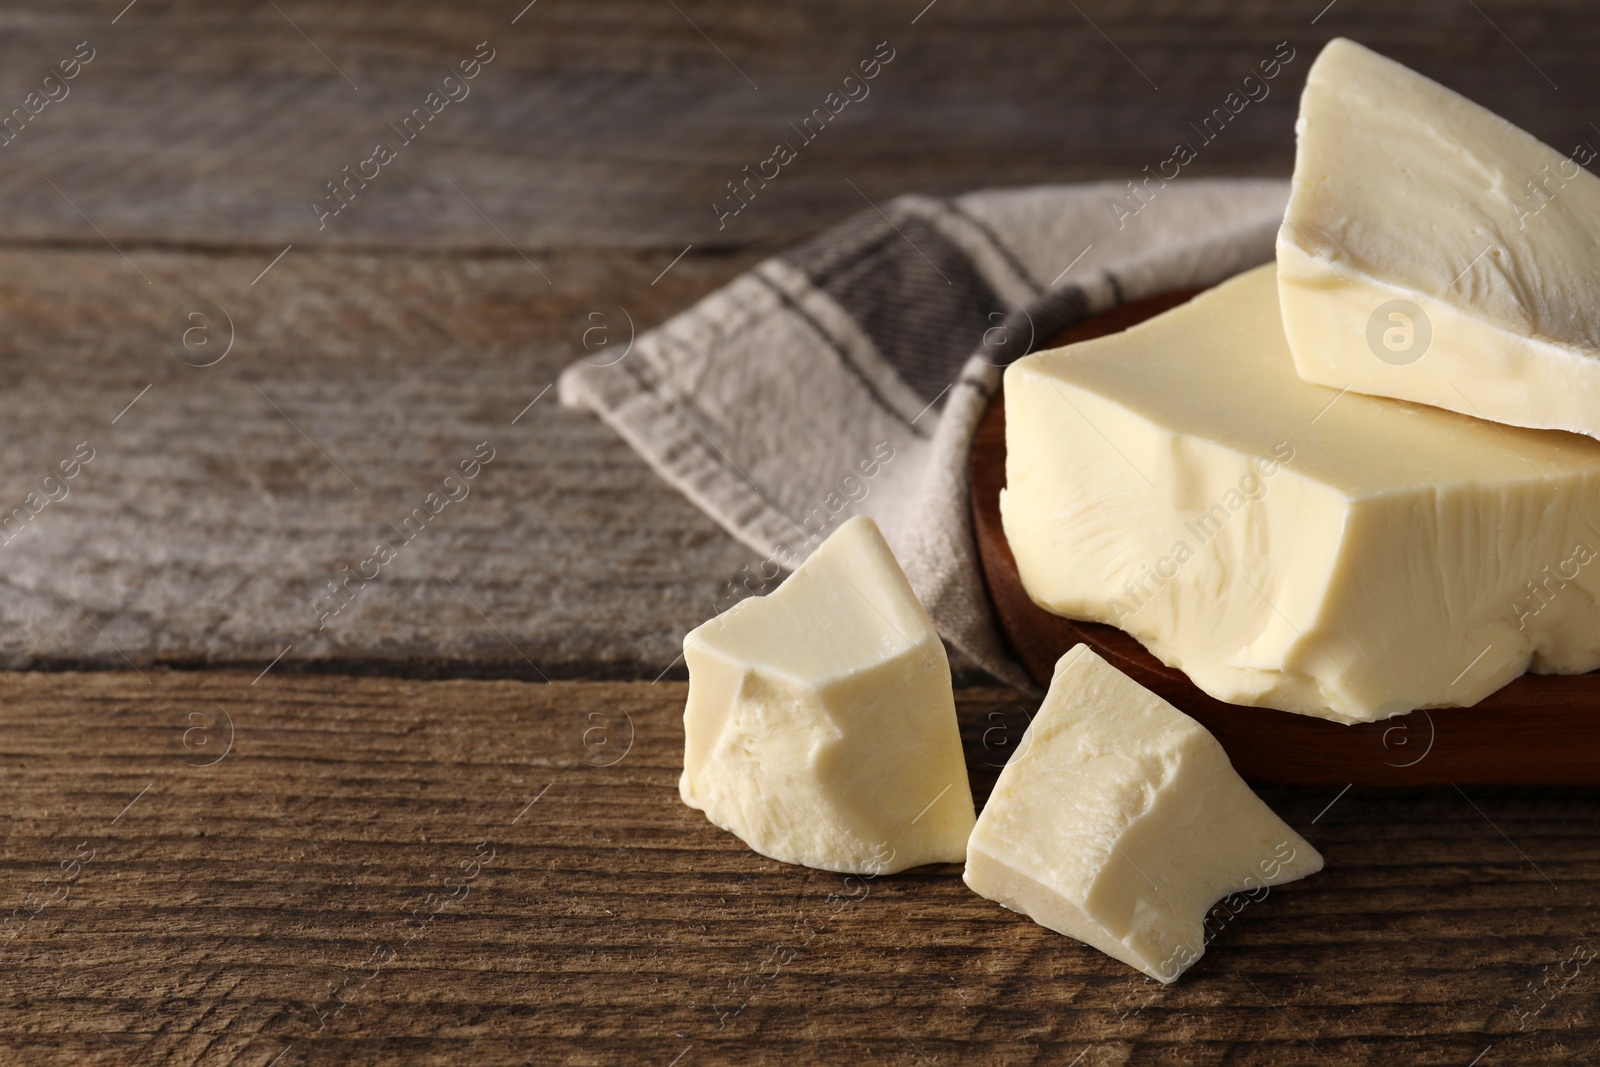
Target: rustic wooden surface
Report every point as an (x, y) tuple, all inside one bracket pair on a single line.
[(221, 914), (290, 892), (617, 122), (424, 317), (206, 526)]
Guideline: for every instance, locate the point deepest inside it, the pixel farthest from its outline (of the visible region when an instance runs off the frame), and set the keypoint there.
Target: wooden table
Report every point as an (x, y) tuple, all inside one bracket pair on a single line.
[(234, 835), (359, 870)]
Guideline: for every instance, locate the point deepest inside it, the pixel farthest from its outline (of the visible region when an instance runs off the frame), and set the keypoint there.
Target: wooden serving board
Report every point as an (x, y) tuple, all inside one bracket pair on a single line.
[(1539, 730)]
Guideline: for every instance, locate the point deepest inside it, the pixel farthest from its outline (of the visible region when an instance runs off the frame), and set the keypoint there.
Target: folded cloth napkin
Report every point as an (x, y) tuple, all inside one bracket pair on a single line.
[(847, 376)]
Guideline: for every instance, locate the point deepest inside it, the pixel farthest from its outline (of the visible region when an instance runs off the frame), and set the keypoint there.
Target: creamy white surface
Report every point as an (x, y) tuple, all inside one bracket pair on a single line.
[(821, 725), (1385, 565), (1120, 822), (1405, 190)]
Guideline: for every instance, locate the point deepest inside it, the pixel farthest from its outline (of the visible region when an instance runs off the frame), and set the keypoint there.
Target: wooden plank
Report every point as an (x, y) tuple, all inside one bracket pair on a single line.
[(216, 507), (619, 123), (226, 899)]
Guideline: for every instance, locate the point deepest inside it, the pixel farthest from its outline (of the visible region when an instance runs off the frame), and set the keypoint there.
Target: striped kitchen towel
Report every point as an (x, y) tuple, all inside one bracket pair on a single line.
[(847, 376)]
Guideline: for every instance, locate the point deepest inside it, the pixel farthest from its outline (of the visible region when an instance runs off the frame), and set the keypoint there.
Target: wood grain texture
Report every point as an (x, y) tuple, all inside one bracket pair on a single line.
[(418, 321), (217, 506), (619, 122), (228, 910), (1538, 730)]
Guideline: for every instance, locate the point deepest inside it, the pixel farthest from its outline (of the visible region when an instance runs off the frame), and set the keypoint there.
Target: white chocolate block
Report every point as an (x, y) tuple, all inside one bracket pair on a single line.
[(1434, 252), (821, 726), (1120, 822), (1284, 544)]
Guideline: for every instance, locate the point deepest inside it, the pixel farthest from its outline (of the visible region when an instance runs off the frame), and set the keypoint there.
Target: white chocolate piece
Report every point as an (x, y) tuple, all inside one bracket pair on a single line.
[(1287, 545), (821, 726), (1433, 252), (1120, 822)]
